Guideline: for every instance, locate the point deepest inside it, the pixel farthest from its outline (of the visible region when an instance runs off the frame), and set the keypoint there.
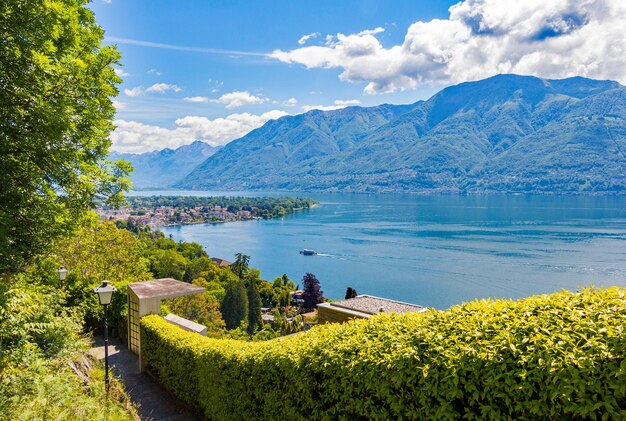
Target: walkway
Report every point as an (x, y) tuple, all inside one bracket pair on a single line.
[(153, 402)]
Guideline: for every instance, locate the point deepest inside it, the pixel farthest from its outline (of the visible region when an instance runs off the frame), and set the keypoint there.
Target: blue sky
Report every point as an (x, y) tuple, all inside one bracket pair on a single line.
[(213, 70)]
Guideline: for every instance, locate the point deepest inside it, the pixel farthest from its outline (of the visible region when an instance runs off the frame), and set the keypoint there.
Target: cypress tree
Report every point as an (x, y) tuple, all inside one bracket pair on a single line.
[(254, 307), (235, 305)]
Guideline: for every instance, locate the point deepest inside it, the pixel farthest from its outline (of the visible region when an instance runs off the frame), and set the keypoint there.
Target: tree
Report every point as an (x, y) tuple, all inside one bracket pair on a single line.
[(240, 267), (55, 119), (350, 293), (168, 264), (254, 307), (312, 294), (202, 308), (235, 305)]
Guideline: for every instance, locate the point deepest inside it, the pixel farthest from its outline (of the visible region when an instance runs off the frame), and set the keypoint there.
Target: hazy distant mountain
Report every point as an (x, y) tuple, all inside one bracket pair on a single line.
[(163, 168), (505, 133)]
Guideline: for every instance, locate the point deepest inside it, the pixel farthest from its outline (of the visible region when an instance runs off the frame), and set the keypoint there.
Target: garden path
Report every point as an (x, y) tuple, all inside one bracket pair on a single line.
[(153, 402)]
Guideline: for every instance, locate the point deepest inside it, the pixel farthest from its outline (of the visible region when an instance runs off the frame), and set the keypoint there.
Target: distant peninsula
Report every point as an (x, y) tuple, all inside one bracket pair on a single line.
[(158, 211)]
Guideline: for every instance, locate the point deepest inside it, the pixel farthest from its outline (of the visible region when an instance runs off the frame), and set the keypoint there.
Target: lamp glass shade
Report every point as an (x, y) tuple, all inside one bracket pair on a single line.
[(105, 292), (62, 273)]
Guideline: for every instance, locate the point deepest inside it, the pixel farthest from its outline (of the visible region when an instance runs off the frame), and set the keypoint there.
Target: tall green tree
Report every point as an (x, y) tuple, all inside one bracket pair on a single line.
[(56, 81), (254, 307), (241, 265), (235, 305)]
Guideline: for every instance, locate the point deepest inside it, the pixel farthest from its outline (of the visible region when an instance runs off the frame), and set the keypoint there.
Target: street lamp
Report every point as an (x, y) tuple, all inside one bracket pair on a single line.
[(105, 293), (62, 273)]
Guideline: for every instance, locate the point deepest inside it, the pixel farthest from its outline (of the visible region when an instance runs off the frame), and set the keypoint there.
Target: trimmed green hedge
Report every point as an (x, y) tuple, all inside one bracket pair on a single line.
[(558, 356)]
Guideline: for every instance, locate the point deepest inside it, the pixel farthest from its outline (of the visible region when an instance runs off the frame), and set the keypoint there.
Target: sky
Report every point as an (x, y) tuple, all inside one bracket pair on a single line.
[(214, 70)]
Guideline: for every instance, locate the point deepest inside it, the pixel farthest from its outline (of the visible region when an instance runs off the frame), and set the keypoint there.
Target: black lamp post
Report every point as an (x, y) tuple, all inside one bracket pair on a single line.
[(105, 293)]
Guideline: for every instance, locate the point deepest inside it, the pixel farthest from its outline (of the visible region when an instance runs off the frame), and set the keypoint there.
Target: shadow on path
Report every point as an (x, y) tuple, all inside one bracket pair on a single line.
[(152, 400)]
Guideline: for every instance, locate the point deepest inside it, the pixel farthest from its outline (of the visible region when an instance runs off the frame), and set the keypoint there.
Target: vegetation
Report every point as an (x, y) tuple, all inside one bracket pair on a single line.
[(313, 295), (55, 119), (545, 357), (260, 207), (350, 293)]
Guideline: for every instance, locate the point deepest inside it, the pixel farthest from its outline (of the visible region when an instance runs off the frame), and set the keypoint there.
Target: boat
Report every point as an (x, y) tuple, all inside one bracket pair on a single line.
[(308, 252)]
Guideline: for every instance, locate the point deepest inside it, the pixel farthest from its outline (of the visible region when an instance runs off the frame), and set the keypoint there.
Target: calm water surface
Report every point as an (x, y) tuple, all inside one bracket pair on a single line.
[(435, 251)]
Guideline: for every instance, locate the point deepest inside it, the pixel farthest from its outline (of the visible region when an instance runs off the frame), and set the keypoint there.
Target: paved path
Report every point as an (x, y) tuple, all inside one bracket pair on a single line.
[(152, 400)]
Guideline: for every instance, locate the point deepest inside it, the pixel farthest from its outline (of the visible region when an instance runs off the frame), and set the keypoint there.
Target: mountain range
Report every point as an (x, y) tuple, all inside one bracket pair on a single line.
[(507, 133), (158, 169)]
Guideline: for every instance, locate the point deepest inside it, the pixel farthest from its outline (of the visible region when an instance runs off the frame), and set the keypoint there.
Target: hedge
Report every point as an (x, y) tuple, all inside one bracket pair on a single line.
[(558, 356)]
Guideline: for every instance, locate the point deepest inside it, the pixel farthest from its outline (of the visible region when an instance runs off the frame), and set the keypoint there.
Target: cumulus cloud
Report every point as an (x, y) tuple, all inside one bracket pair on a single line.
[(135, 137), (120, 72), (157, 87), (480, 38), (119, 105), (306, 37), (291, 102), (163, 87), (239, 99), (196, 99), (338, 104), (136, 91)]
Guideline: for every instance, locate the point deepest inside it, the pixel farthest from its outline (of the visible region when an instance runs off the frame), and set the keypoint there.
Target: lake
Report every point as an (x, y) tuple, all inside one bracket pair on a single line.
[(435, 251)]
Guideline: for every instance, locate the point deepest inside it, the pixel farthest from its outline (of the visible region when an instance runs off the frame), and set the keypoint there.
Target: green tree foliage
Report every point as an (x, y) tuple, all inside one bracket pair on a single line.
[(254, 307), (312, 294), (201, 308), (558, 356), (240, 267), (55, 119), (168, 263), (97, 252), (235, 305)]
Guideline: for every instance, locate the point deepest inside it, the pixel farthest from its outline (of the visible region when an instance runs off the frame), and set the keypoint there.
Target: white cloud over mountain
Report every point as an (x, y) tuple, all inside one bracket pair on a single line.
[(239, 99), (135, 137), (480, 38), (338, 104)]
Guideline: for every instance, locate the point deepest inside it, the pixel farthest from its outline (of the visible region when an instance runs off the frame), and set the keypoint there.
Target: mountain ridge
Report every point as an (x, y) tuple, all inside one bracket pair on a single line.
[(477, 136), (157, 169)]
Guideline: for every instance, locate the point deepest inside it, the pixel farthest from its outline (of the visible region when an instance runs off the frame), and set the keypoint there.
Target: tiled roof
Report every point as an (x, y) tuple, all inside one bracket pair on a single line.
[(374, 305)]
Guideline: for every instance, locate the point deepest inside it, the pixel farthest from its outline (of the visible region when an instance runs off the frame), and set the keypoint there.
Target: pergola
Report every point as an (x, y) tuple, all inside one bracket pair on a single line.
[(145, 298)]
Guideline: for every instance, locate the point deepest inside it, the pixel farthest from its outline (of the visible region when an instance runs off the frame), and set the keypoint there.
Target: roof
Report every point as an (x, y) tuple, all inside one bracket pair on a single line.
[(374, 305), (164, 288), (221, 262)]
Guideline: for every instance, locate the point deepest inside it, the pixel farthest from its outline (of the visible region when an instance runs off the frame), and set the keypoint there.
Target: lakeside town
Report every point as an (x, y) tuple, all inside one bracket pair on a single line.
[(161, 211)]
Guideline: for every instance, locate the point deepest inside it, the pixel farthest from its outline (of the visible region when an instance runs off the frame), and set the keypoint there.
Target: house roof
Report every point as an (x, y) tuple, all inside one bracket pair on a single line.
[(164, 288), (374, 305), (221, 262)]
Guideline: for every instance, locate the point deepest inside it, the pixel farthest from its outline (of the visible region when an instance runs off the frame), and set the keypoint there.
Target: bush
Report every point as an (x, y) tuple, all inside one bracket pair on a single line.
[(544, 357)]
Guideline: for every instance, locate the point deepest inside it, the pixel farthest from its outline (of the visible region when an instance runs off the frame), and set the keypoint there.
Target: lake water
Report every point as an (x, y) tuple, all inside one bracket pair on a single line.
[(435, 251)]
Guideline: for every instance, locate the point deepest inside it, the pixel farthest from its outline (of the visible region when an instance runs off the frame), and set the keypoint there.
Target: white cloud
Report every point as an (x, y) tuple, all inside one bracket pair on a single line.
[(119, 105), (163, 87), (306, 37), (291, 102), (154, 72), (347, 102), (196, 99), (120, 72), (480, 38), (239, 99), (136, 91), (338, 104), (135, 137)]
